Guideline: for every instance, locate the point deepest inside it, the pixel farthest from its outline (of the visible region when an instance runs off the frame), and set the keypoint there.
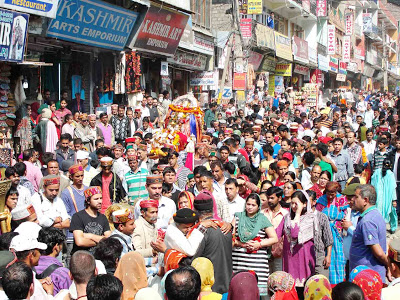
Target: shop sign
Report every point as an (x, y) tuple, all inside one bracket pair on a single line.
[(342, 67), (359, 50), (97, 24), (331, 39), (204, 78), (246, 27), (321, 8), (191, 60), (239, 81), (279, 84), (161, 30), (306, 5), (283, 46), (353, 67), (367, 22), (268, 64), (300, 50), (254, 7), (334, 64), (346, 48), (265, 36), (341, 77), (255, 59), (299, 69), (283, 70), (349, 23), (187, 36), (13, 35), (203, 45), (323, 62), (312, 54), (45, 8), (243, 7)]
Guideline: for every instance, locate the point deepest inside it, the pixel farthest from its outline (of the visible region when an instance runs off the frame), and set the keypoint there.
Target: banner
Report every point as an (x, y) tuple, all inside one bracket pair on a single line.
[(246, 27), (265, 36), (279, 88), (255, 59), (45, 8), (268, 64), (283, 46), (299, 69), (204, 78), (300, 50), (321, 8), (254, 7), (331, 40), (346, 48), (283, 70), (13, 35), (359, 50), (161, 30), (239, 81), (334, 64), (97, 24), (367, 22), (323, 62), (193, 61), (271, 85), (349, 23)]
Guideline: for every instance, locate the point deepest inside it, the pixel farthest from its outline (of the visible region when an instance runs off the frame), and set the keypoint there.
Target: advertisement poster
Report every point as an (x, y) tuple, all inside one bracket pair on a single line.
[(367, 22), (283, 70), (239, 81), (268, 64), (321, 8), (279, 88), (254, 7), (346, 48), (44, 8), (245, 27), (164, 68), (255, 59), (243, 7), (331, 40), (349, 23), (300, 50), (80, 22), (161, 30), (265, 36), (283, 46), (271, 85), (13, 35)]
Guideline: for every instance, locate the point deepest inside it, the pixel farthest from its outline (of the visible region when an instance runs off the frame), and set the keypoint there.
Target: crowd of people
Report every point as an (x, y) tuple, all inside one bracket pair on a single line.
[(280, 201)]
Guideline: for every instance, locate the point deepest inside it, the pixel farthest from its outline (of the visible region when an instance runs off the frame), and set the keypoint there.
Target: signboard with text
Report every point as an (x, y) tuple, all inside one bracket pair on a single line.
[(44, 8), (283, 46), (204, 78), (254, 7), (161, 30), (195, 61), (265, 36), (13, 35), (95, 23), (331, 40), (346, 48), (321, 8), (239, 81), (349, 23), (245, 27), (300, 50), (283, 70), (334, 64)]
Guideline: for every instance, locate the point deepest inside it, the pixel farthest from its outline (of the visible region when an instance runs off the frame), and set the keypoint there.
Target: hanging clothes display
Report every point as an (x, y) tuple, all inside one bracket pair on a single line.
[(120, 74), (133, 73)]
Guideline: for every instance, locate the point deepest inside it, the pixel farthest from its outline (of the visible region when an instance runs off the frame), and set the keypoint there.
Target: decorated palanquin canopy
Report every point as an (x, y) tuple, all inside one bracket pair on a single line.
[(183, 122)]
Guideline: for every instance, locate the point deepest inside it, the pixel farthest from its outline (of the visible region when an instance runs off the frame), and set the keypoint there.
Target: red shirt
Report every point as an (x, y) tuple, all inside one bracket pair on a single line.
[(106, 192)]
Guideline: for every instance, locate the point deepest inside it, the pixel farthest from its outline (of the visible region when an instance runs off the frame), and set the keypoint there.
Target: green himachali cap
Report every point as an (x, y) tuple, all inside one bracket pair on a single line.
[(350, 190)]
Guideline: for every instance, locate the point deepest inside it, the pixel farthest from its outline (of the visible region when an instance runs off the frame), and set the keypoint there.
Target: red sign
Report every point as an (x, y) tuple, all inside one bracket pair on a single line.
[(300, 49), (346, 48), (321, 8), (239, 81), (349, 19), (161, 30), (301, 70), (342, 65), (255, 59), (359, 50), (245, 27), (331, 39)]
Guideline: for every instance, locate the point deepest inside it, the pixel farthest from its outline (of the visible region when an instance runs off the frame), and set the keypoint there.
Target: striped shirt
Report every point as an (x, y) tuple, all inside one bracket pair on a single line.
[(378, 159), (135, 184)]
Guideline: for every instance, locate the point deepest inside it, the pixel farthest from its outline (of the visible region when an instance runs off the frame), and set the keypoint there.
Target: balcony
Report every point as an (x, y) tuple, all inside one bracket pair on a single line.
[(374, 33)]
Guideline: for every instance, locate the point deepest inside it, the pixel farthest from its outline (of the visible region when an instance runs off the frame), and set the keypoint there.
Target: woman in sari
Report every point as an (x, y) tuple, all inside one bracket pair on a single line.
[(254, 234), (185, 200), (297, 228), (281, 286), (11, 202), (206, 270), (131, 270), (288, 189), (334, 206), (320, 186), (243, 286), (318, 288)]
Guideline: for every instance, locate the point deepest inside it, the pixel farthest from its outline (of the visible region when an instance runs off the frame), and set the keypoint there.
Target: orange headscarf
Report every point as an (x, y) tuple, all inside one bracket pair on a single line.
[(190, 198), (131, 271)]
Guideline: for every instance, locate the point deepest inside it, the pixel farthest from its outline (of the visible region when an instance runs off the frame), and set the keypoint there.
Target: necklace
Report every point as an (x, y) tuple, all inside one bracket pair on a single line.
[(80, 192)]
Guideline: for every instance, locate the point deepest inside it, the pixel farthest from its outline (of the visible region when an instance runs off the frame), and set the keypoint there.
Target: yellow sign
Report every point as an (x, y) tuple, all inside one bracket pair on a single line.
[(254, 7), (283, 46), (271, 85), (283, 70)]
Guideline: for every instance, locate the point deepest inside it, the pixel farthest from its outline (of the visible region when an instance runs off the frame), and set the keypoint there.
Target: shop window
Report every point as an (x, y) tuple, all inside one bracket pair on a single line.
[(280, 24), (202, 13)]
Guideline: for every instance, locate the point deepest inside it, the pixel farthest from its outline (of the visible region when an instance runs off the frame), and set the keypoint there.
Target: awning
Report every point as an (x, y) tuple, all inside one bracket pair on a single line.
[(143, 2)]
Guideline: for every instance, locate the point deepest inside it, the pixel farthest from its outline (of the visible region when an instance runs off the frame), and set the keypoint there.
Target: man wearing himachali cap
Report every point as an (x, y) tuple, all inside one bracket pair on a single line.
[(124, 224), (89, 226), (50, 209)]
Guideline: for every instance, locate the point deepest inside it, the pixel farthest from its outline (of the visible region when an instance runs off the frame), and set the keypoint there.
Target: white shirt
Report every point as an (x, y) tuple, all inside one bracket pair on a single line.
[(306, 180), (166, 209), (396, 165), (369, 148), (24, 197), (46, 211), (324, 130), (175, 239), (236, 205), (38, 291), (145, 111), (368, 117)]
